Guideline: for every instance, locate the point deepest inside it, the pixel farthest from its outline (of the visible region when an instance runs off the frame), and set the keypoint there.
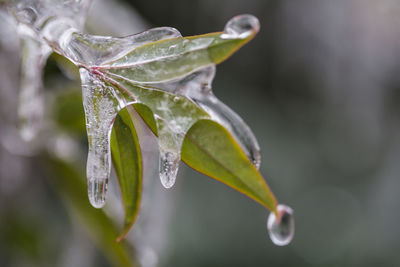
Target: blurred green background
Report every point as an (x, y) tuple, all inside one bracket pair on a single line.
[(319, 86)]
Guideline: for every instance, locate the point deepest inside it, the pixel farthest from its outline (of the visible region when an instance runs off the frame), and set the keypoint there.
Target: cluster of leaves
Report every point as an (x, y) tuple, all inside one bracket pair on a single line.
[(207, 147)]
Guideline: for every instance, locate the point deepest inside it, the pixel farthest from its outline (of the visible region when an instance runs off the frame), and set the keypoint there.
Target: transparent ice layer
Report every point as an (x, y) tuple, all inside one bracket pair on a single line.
[(159, 68)]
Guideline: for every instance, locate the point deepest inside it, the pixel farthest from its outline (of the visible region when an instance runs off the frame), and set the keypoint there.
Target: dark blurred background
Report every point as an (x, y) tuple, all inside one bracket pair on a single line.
[(320, 88)]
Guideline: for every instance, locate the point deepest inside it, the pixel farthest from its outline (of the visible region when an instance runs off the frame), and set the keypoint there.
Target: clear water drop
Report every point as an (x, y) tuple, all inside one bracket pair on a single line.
[(169, 164), (281, 230), (97, 189), (241, 26)]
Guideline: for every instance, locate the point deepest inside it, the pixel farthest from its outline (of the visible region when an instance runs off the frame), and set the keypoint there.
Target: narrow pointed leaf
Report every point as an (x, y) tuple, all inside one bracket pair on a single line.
[(210, 149), (127, 160), (71, 186)]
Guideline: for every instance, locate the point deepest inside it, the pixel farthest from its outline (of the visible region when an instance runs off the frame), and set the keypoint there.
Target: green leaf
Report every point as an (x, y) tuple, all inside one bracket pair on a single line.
[(127, 160), (221, 49), (169, 59), (210, 149), (70, 184)]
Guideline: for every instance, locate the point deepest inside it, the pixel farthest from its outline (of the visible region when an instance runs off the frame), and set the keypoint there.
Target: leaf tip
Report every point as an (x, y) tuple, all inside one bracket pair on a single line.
[(124, 233)]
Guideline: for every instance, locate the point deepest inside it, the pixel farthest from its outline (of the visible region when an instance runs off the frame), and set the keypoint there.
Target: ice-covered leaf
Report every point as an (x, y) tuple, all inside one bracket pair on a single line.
[(127, 160), (174, 115), (172, 58)]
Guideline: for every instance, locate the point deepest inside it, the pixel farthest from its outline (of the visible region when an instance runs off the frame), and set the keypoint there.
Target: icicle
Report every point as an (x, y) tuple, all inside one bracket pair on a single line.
[(168, 160), (171, 130), (162, 62), (34, 20), (31, 104), (101, 106)]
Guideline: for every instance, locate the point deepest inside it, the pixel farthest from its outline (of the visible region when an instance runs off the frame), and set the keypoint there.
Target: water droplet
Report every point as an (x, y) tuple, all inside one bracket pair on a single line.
[(176, 99), (169, 163), (97, 189), (241, 27), (281, 230)]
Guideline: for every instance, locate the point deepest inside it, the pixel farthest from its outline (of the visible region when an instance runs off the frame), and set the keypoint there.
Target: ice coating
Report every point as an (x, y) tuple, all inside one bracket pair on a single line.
[(148, 69), (94, 50), (162, 61), (158, 68), (101, 97), (197, 87), (171, 130)]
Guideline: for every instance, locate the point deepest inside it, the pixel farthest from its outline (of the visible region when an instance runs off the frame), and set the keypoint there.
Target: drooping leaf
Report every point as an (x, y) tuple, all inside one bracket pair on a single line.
[(71, 186), (210, 149), (127, 160)]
